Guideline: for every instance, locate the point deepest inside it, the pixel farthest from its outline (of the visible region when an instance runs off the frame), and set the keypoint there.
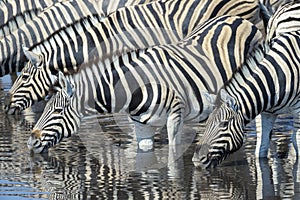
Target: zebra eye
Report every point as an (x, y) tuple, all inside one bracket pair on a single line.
[(59, 110), (25, 77), (224, 123)]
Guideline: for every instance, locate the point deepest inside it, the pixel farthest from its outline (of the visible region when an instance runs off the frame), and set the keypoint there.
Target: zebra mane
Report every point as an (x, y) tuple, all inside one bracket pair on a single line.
[(115, 58), (256, 55)]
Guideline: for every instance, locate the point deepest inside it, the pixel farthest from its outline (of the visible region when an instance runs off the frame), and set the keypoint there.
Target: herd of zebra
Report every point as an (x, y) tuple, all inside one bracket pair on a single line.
[(162, 62)]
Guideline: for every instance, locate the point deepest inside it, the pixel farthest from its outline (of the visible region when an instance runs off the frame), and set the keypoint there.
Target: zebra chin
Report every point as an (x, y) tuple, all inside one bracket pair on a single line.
[(207, 161), (15, 107), (206, 158)]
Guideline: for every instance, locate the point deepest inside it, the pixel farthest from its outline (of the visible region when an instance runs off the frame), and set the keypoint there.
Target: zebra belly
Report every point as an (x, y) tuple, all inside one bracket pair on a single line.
[(293, 109)]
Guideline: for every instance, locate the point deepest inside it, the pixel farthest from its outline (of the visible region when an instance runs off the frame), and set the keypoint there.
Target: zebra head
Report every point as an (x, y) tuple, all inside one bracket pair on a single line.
[(59, 119), (32, 84), (223, 134)]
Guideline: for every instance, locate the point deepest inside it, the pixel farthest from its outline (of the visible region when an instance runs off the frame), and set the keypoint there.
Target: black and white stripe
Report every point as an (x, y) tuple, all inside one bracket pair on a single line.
[(10, 9), (14, 14), (162, 85), (285, 20)]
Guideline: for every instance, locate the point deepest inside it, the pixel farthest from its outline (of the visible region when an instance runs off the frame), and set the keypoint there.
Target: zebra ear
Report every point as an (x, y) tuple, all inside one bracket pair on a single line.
[(64, 83), (210, 98), (34, 58), (229, 100)]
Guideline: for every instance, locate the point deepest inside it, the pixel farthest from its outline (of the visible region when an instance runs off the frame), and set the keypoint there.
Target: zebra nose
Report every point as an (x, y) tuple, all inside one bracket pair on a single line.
[(36, 134), (7, 99)]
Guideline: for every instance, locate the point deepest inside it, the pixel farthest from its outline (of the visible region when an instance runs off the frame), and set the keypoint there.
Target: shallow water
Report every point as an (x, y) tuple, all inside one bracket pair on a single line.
[(102, 162)]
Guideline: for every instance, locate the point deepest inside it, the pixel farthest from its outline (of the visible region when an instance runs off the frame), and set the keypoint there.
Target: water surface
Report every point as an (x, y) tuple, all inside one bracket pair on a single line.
[(102, 162)]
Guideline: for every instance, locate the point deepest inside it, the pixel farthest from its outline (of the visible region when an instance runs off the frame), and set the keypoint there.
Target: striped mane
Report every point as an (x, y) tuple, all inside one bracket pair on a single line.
[(251, 62)]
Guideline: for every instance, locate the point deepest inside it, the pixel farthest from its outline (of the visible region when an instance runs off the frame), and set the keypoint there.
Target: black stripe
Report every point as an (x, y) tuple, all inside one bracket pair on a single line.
[(171, 16), (218, 8), (137, 97), (188, 17), (106, 95), (231, 47)]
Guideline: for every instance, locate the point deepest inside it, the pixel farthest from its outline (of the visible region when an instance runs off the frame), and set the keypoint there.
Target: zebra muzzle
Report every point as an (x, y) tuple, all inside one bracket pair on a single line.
[(9, 107), (7, 100)]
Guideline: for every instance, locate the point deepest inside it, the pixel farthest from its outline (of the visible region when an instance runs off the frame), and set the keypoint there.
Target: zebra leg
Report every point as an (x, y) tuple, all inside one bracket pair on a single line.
[(175, 122), (144, 135), (174, 130), (264, 126), (296, 133), (264, 186)]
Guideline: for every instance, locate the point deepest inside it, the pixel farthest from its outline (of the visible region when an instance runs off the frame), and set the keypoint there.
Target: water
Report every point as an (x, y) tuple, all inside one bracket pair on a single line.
[(102, 162)]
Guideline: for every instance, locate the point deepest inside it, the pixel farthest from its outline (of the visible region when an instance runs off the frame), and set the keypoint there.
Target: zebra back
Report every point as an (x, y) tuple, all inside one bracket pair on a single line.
[(132, 28)]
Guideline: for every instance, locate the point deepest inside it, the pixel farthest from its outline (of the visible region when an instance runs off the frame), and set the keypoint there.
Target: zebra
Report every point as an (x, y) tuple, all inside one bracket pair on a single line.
[(268, 87), (47, 23), (142, 26), (164, 84)]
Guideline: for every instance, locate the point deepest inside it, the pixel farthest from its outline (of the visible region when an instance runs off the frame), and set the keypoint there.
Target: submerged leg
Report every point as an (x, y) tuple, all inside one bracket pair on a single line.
[(144, 135), (296, 133), (175, 122), (264, 126)]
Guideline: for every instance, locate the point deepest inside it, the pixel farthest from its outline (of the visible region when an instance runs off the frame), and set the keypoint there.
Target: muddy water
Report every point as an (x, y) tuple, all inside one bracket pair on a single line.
[(102, 162)]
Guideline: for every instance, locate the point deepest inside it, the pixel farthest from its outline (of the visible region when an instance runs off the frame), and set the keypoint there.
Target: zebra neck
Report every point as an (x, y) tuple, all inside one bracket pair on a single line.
[(247, 88), (65, 49), (270, 84)]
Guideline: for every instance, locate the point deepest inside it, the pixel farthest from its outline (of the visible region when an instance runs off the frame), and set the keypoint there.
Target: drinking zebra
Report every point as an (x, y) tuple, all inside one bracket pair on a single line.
[(127, 28), (268, 87), (162, 85)]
